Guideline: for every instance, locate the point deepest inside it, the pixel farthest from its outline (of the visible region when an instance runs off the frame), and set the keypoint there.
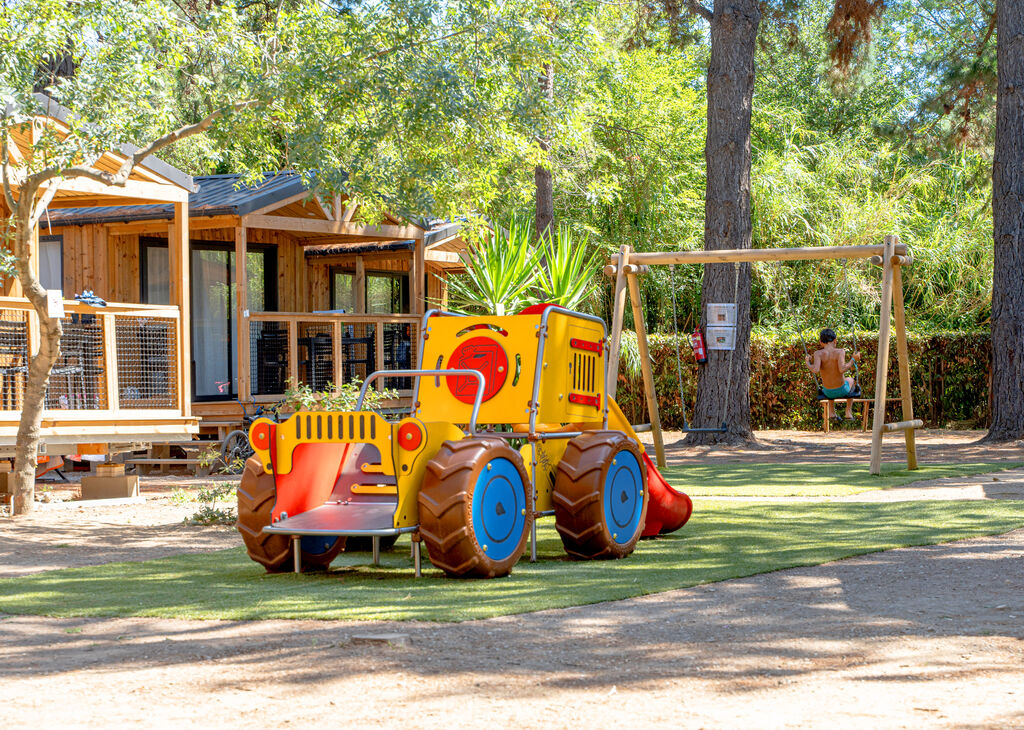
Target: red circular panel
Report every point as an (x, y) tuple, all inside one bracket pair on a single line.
[(409, 436), (485, 355), (261, 435)]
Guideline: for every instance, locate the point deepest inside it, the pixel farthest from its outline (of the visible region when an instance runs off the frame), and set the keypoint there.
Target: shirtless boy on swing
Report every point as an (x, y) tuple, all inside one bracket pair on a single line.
[(830, 361)]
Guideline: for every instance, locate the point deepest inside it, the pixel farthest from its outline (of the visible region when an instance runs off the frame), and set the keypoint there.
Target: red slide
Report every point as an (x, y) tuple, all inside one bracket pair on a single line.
[(667, 509)]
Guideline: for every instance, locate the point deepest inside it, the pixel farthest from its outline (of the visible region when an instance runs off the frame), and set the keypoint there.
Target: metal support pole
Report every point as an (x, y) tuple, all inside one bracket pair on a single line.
[(533, 505), (417, 559), (376, 550), (297, 553)]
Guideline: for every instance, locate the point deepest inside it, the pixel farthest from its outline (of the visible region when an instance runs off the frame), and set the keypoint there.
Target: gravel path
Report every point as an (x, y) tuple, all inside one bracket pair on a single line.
[(920, 637)]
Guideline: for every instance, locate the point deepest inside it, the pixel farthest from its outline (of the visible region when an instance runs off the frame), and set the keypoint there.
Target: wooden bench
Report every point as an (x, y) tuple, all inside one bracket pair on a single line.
[(865, 411)]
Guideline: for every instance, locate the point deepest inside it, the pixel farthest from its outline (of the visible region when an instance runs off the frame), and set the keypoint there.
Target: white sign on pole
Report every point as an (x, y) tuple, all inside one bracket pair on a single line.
[(721, 338), (55, 303)]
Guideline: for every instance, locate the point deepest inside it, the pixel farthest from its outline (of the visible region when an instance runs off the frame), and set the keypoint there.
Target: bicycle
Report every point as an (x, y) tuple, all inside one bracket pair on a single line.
[(235, 449)]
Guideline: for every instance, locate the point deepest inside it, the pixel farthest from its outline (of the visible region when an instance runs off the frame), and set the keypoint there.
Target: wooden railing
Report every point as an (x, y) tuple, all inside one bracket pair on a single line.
[(118, 362), (324, 350)]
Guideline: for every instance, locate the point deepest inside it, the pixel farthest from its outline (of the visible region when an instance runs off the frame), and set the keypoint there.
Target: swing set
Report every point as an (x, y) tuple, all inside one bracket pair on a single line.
[(891, 255)]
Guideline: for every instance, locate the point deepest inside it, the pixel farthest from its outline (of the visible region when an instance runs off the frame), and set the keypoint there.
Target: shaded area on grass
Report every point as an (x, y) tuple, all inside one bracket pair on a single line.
[(725, 540), (807, 480)]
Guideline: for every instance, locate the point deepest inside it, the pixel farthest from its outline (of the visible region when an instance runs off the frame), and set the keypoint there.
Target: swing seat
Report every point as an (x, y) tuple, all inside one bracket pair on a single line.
[(855, 393)]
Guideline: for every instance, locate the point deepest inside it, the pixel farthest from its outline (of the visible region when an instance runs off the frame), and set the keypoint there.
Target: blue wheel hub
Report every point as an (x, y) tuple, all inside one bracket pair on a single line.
[(317, 545), (499, 509), (623, 497)]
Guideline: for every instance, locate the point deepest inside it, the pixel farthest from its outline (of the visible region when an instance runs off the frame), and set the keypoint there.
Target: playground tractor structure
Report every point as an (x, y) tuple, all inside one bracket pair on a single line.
[(511, 423)]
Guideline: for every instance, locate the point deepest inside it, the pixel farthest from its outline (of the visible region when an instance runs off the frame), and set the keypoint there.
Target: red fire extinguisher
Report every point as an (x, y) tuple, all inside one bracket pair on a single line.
[(697, 343)]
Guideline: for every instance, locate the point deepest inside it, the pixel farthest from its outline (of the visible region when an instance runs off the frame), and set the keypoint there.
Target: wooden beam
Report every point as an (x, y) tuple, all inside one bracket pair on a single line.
[(244, 386), (763, 254), (293, 353), (905, 426), (110, 362), (443, 257), (350, 210), (378, 333), (181, 291), (149, 192), (645, 368), (882, 365), (332, 228), (417, 277), (618, 312), (359, 286), (903, 361)]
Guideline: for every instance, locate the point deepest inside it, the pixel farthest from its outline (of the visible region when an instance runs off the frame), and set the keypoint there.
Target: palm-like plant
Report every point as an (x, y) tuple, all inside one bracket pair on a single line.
[(569, 276), (501, 273)]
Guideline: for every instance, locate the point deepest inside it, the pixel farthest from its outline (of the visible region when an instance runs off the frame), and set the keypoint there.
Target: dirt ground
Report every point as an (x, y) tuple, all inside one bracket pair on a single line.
[(920, 637)]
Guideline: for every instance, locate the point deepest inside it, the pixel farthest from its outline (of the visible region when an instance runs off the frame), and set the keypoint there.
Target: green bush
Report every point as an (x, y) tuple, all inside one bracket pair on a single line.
[(949, 373)]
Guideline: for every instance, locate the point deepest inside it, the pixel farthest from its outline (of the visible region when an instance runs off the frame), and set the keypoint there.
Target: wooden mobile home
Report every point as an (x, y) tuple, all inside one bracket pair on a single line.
[(122, 378), (322, 298)]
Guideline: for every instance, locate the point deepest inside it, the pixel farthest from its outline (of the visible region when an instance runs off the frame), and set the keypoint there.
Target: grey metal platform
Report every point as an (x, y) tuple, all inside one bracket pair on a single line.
[(345, 519)]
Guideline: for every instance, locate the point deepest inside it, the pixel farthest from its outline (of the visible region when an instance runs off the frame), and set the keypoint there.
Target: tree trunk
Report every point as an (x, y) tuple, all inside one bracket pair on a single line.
[(1008, 219), (27, 449), (545, 203), (724, 382)]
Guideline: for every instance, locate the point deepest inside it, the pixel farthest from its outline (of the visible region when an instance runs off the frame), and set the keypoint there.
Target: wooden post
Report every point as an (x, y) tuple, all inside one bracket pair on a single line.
[(339, 353), (359, 286), (645, 368), (243, 385), (882, 366), (903, 355), (293, 352), (378, 333), (181, 289), (618, 312), (110, 362), (417, 277)]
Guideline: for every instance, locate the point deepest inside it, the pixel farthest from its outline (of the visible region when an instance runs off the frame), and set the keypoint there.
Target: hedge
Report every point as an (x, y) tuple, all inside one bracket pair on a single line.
[(949, 373)]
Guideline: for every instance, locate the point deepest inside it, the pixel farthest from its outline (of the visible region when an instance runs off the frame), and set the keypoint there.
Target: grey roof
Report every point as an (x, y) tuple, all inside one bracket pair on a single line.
[(215, 195)]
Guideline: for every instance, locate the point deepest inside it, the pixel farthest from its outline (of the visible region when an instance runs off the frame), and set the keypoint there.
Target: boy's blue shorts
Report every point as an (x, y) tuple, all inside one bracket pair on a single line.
[(838, 392)]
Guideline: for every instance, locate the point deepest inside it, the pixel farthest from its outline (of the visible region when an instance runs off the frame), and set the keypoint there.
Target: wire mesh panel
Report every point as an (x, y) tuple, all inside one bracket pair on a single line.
[(13, 358), (268, 357), (399, 352), (359, 350), (147, 362), (316, 354), (78, 381)]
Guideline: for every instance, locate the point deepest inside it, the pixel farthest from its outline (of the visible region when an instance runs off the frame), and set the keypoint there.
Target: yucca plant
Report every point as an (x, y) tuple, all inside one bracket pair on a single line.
[(501, 272), (569, 276)]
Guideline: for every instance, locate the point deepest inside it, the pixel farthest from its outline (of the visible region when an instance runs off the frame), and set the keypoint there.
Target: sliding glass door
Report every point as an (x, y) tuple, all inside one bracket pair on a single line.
[(214, 298)]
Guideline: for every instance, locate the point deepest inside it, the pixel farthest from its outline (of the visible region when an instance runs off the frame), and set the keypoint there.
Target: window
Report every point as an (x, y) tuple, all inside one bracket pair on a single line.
[(386, 293), (51, 262), (343, 290)]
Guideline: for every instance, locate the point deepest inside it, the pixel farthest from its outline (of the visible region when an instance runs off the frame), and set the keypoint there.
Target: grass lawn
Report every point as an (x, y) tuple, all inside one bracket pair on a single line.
[(806, 480), (724, 540)]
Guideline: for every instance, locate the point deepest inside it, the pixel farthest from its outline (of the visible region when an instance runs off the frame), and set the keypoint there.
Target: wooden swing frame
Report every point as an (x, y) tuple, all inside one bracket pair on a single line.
[(891, 255)]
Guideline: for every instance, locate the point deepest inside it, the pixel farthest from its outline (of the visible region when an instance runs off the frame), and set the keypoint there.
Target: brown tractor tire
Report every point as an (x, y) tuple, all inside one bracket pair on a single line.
[(475, 508), (587, 516), (256, 496)]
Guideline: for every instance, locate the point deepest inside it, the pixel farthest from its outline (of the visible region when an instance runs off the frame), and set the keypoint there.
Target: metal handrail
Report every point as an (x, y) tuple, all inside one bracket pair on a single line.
[(477, 399)]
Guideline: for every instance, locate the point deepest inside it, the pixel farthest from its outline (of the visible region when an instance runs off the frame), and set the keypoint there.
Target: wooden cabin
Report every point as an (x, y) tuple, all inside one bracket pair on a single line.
[(122, 378), (323, 298)]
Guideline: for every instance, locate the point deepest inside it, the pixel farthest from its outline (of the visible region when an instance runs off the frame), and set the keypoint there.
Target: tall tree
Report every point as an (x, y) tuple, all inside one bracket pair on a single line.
[(1008, 218), (723, 390)]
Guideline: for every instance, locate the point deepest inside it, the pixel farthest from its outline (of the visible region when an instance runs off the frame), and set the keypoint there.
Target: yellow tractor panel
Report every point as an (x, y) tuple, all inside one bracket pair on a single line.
[(504, 349)]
